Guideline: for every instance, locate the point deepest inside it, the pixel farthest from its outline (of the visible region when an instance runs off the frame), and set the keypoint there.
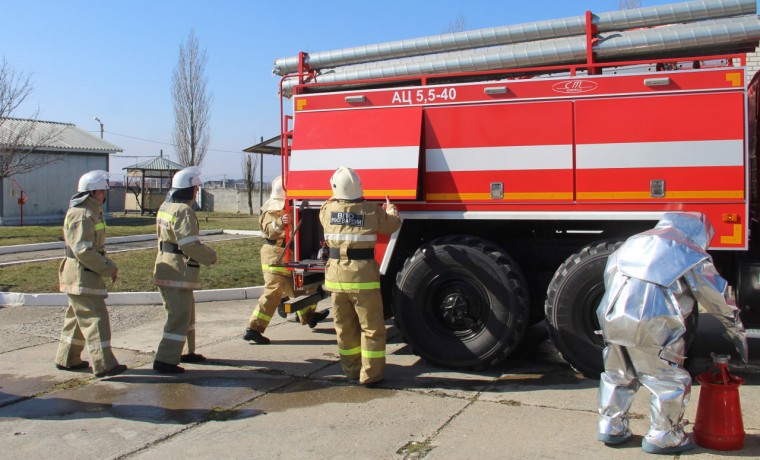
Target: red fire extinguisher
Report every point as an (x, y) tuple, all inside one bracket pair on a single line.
[(719, 423)]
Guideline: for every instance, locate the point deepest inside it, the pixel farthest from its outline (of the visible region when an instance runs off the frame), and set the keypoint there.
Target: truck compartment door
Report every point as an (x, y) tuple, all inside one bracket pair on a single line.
[(382, 145), (517, 152), (661, 149)]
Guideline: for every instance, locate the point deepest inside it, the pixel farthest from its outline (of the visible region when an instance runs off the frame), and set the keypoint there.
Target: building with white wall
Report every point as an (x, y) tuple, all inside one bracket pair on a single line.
[(48, 188)]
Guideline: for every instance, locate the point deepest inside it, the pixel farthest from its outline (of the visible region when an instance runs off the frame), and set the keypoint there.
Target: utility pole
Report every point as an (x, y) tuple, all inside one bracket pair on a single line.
[(261, 178), (101, 126)]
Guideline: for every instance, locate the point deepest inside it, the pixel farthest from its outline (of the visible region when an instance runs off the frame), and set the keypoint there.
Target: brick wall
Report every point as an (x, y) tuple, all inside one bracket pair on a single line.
[(753, 63)]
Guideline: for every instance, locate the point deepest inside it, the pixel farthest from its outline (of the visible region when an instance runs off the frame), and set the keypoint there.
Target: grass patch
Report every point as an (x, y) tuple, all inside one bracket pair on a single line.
[(120, 225), (238, 266), (415, 449)]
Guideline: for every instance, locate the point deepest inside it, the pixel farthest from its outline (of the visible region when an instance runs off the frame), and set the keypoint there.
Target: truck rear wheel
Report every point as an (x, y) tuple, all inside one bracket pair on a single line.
[(461, 302), (571, 302)]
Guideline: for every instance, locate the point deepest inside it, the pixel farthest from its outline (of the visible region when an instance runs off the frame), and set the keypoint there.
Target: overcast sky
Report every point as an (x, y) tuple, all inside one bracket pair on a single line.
[(114, 59)]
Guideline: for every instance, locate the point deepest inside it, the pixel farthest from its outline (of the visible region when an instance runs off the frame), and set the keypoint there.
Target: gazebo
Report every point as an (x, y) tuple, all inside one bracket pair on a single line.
[(271, 146), (147, 184)]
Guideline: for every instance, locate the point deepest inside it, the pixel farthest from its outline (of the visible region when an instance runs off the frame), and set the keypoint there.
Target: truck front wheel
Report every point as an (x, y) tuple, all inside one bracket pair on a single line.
[(461, 302)]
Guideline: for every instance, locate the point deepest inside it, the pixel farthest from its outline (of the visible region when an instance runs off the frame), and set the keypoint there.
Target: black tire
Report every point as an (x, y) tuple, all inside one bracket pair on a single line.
[(571, 302), (461, 302)]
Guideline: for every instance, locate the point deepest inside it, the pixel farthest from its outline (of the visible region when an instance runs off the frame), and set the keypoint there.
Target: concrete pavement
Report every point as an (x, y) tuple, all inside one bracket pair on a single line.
[(289, 399)]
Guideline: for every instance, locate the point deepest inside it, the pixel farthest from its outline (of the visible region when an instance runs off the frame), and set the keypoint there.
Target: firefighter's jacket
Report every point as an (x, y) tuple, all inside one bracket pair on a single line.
[(273, 231), (653, 282), (177, 230), (351, 229), (86, 262)]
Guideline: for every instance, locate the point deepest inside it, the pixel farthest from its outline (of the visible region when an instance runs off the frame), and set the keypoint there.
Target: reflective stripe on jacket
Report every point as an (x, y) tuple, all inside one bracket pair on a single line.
[(177, 224), (84, 232), (354, 225)]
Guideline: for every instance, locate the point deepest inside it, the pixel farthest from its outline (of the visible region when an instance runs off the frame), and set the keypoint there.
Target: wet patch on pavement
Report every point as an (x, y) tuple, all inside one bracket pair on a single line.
[(143, 395), (309, 393)]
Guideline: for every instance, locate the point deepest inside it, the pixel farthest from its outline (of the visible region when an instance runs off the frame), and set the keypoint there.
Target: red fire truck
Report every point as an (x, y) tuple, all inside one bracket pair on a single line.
[(515, 184)]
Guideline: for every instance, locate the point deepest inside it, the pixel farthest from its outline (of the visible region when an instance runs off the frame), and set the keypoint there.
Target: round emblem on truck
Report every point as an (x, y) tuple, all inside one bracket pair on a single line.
[(574, 86)]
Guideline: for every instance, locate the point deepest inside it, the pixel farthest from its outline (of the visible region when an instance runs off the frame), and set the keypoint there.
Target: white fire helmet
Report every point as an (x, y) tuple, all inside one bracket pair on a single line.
[(188, 177), (93, 180), (277, 191), (346, 184)]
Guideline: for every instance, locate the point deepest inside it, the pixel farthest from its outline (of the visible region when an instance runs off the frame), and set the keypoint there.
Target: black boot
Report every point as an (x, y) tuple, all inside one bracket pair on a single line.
[(116, 370), (192, 358), (75, 367), (255, 336), (166, 368), (317, 317)]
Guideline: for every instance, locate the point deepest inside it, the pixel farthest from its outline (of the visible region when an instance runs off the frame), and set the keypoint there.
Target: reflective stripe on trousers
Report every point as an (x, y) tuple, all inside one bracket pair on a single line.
[(344, 286), (99, 345), (72, 340), (275, 269), (261, 315), (364, 353), (175, 337)]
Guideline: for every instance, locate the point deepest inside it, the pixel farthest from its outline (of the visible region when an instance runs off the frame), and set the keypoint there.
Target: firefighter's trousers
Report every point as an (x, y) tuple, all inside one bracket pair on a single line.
[(360, 327), (628, 368), (179, 330), (86, 323), (275, 287)]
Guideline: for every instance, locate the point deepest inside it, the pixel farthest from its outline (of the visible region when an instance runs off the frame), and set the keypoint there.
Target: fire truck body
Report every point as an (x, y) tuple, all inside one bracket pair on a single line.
[(514, 191)]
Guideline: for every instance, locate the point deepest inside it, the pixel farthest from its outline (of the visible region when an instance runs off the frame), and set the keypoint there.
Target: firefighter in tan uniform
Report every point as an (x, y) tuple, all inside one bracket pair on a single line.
[(81, 276), (352, 275), (177, 271), (277, 280)]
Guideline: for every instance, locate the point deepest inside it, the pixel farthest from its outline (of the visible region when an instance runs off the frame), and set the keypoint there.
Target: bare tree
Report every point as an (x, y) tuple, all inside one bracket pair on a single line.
[(192, 102), (20, 138), (459, 25), (628, 4), (249, 165)]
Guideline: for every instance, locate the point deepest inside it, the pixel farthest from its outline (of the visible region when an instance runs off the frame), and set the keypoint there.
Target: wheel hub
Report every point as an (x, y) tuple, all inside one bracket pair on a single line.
[(455, 310)]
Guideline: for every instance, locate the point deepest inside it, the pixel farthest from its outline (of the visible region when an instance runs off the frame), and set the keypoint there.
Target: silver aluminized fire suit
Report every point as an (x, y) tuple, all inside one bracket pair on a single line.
[(653, 282), (80, 276), (353, 277), (177, 273)]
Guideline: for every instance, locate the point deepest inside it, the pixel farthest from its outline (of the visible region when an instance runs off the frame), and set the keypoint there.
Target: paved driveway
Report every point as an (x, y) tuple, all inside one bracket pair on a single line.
[(289, 399)]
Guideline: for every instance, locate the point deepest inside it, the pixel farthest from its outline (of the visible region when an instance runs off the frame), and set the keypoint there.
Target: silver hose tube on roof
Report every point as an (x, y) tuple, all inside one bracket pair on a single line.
[(709, 35), (673, 13), (719, 36), (540, 30), (537, 53)]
